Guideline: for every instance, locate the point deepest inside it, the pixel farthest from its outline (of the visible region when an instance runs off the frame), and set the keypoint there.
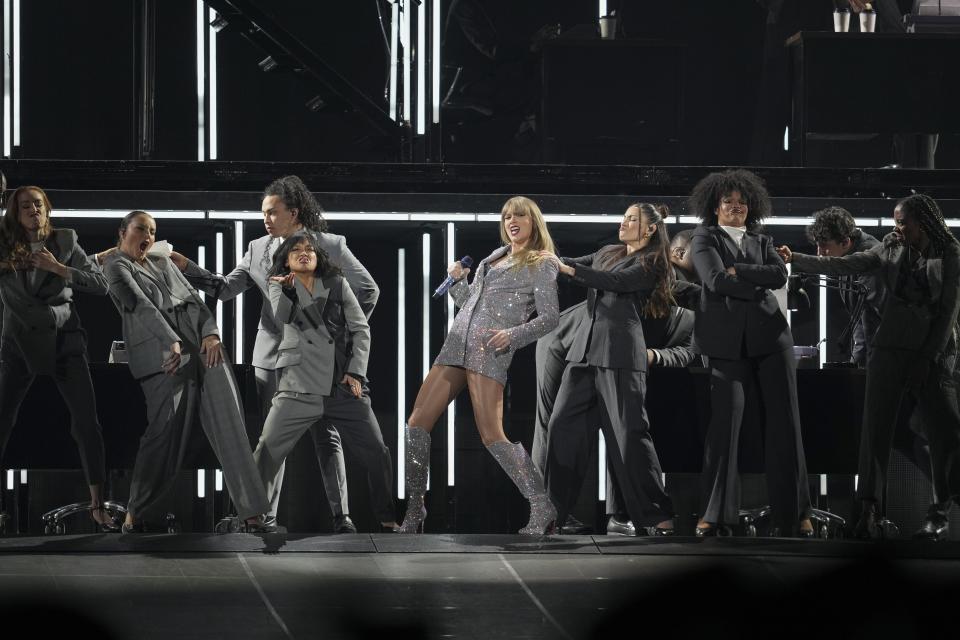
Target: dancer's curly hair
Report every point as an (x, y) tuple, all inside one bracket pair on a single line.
[(706, 196), (14, 243), (295, 195), (833, 224)]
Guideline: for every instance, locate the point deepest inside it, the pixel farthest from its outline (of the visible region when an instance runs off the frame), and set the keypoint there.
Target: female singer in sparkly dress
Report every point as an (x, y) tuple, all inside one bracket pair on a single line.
[(493, 322)]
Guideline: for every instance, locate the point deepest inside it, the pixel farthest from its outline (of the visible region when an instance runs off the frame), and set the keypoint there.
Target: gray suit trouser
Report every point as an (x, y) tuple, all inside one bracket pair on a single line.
[(616, 397), (293, 413), (326, 442), (774, 376), (937, 403), (173, 405), (72, 377)]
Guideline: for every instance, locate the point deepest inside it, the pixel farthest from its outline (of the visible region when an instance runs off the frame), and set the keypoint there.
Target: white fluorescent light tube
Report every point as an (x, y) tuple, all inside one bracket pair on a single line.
[(238, 215), (601, 466), (218, 480), (16, 73), (10, 475), (435, 61), (688, 220), (572, 217), (421, 69), (363, 215), (394, 30), (488, 217), (867, 222), (119, 213), (406, 60), (452, 407), (201, 483), (401, 369), (822, 320), (238, 301), (787, 221), (201, 85), (425, 311), (212, 75), (218, 268), (7, 84), (444, 217), (202, 263), (23, 476)]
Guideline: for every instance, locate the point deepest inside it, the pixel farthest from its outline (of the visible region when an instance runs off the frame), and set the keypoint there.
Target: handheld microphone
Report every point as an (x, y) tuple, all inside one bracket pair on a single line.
[(466, 262)]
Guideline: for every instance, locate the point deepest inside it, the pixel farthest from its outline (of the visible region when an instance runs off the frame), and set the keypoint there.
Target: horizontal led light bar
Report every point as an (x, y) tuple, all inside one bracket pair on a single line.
[(119, 213)]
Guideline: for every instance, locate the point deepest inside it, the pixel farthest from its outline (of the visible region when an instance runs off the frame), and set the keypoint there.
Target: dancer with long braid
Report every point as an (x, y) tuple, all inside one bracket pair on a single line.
[(914, 351)]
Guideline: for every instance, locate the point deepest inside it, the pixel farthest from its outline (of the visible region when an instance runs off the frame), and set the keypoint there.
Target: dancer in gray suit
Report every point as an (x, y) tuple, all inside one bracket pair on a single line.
[(913, 351), (607, 368), (493, 321), (323, 366), (40, 268), (173, 343), (288, 206)]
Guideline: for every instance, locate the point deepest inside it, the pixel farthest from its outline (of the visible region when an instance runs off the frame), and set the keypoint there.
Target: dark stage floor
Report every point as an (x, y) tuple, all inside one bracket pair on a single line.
[(464, 586)]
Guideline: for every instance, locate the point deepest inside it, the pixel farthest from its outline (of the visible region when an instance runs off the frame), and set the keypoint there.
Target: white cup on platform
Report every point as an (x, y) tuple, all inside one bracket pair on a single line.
[(841, 21), (868, 21), (608, 27)]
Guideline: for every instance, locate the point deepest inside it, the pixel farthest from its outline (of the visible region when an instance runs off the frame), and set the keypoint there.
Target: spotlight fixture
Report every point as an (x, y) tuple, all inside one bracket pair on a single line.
[(315, 104)]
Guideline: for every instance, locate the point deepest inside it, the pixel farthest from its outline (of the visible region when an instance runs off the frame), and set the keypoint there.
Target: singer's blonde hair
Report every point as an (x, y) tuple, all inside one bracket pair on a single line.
[(540, 239)]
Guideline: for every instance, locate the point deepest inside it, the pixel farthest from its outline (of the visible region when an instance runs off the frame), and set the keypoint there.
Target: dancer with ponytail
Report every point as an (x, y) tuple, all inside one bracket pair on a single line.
[(607, 370)]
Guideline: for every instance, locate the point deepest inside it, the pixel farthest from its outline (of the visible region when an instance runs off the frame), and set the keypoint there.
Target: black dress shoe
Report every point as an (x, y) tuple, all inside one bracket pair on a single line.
[(620, 526), (713, 531), (868, 525), (935, 528), (343, 524), (136, 527), (573, 527), (264, 524)]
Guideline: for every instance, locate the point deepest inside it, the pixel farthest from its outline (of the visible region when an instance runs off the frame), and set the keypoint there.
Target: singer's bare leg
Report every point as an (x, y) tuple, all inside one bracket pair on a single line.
[(486, 395), (439, 388)]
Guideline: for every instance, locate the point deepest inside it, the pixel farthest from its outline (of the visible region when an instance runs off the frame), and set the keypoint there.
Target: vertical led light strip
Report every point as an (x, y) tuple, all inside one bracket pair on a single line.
[(238, 301), (452, 407), (421, 69), (7, 146), (823, 321), (201, 85), (218, 480), (789, 313), (212, 76), (201, 483), (202, 263), (425, 338), (602, 9), (601, 467), (218, 268), (435, 62), (394, 30), (10, 475), (406, 60), (401, 368), (16, 73), (23, 476)]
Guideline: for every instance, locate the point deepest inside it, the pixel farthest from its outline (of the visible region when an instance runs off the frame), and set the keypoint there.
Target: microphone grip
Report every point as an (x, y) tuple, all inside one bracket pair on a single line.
[(465, 262)]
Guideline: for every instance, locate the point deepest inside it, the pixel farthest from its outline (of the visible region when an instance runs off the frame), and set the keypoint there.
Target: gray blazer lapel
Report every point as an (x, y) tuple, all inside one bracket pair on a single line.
[(312, 304)]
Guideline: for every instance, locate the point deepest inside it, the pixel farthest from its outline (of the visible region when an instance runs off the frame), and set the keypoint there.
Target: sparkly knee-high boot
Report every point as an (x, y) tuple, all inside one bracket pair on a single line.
[(416, 465), (518, 465)]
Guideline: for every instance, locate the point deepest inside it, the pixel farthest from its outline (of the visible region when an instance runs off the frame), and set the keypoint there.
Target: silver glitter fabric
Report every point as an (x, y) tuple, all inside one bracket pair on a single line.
[(416, 466), (518, 465), (500, 297)]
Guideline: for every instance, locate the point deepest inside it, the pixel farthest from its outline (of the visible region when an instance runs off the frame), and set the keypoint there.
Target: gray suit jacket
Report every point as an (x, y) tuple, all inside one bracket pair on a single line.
[(28, 318), (932, 330), (253, 271), (312, 324), (144, 303)]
